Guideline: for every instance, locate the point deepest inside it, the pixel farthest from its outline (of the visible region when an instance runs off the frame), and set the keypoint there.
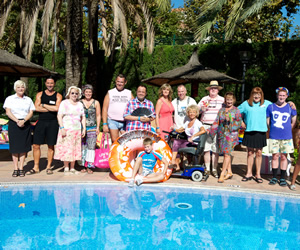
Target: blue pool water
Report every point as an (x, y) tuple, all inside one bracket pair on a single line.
[(148, 217)]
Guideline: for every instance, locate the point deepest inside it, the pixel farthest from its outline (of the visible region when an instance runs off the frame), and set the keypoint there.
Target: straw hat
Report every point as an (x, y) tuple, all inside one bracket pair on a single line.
[(214, 84)]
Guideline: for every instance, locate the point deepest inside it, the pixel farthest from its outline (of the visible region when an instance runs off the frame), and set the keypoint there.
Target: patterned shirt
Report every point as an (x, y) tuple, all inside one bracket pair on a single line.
[(133, 105)]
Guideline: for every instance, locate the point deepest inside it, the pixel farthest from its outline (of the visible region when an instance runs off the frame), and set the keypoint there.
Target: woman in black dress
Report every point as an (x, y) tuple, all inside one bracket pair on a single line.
[(19, 109)]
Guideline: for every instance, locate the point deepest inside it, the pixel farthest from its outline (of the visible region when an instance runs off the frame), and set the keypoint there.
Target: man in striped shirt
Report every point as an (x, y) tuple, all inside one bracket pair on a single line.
[(209, 107), (139, 122)]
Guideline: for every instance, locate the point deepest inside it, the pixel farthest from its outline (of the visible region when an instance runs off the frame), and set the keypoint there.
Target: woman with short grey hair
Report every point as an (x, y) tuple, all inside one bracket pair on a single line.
[(19, 109)]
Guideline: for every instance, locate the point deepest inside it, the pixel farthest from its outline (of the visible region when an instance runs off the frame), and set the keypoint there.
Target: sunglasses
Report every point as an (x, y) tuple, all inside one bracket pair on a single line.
[(74, 93)]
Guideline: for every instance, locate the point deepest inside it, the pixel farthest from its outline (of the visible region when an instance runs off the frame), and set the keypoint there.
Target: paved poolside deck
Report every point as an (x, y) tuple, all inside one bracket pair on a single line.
[(105, 176)]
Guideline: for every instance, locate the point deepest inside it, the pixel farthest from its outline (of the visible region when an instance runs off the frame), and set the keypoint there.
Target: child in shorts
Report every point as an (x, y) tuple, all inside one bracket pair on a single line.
[(145, 163)]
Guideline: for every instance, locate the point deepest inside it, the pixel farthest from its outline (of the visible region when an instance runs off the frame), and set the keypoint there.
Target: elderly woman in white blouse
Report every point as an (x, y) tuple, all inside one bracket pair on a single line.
[(19, 109)]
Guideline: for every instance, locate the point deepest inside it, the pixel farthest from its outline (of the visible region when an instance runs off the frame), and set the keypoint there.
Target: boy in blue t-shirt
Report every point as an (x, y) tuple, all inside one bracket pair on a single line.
[(281, 119), (145, 163)]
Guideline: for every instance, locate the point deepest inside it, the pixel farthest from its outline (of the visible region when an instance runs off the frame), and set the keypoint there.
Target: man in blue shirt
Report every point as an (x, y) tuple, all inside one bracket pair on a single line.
[(281, 118), (145, 163)]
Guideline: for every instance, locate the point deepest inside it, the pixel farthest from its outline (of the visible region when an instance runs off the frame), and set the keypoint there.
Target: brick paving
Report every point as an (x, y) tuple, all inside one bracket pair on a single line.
[(105, 176)]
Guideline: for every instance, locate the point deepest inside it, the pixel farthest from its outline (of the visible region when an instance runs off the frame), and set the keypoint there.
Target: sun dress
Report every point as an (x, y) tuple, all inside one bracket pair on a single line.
[(89, 141), (227, 131), (165, 118), (68, 148)]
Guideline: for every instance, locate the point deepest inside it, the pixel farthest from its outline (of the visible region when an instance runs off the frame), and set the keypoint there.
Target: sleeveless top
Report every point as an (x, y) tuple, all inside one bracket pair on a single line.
[(90, 114), (117, 103), (49, 100)]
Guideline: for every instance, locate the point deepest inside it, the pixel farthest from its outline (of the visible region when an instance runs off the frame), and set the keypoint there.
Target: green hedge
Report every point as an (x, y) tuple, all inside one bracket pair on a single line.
[(273, 64)]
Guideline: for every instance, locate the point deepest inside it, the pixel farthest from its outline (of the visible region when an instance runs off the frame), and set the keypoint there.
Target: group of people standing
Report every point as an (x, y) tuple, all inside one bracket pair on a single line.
[(73, 125)]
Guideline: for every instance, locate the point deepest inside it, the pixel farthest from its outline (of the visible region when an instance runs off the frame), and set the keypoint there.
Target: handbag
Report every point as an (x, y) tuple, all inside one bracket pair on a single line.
[(101, 154)]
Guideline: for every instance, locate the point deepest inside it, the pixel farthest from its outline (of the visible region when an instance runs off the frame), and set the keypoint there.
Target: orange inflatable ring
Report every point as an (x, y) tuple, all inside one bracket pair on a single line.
[(125, 149)]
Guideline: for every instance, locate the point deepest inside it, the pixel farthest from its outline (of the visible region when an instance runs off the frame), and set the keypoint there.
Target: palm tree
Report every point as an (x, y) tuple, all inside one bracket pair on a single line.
[(137, 11), (240, 11)]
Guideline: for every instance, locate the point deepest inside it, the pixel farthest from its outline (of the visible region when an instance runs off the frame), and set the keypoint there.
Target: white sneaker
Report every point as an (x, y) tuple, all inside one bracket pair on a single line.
[(66, 169), (131, 183), (139, 180), (73, 171)]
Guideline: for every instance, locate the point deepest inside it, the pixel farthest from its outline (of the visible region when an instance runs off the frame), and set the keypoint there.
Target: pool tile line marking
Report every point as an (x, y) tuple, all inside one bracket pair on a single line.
[(161, 185)]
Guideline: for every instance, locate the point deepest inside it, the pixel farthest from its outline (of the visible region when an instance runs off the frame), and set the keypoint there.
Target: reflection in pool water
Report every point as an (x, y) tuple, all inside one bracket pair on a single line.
[(116, 217)]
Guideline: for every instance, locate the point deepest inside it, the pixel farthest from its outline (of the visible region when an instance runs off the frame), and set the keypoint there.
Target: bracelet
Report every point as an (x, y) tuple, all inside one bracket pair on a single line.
[(61, 127), (104, 123), (157, 127), (139, 118), (43, 105)]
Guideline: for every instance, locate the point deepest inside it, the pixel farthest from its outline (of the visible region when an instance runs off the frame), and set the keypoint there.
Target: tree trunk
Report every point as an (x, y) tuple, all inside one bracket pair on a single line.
[(74, 43), (92, 71)]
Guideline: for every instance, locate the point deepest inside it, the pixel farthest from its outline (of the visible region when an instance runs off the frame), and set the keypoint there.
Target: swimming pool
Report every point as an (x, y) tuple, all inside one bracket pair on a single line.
[(149, 217)]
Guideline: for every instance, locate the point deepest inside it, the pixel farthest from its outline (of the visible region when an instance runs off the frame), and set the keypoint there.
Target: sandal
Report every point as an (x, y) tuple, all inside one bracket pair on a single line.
[(90, 171), (83, 170), (32, 171), (49, 171), (273, 181), (22, 173), (258, 180), (247, 178), (15, 173), (282, 183)]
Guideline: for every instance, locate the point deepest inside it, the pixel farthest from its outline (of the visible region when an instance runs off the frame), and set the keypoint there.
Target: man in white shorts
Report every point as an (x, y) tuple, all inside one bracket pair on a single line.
[(209, 108), (114, 105)]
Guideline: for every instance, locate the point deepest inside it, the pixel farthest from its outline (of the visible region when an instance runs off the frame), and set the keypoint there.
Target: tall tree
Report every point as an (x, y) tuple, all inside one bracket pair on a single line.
[(236, 13)]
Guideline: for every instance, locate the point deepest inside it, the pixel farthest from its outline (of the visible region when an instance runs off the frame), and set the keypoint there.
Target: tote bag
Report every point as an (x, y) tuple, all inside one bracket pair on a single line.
[(101, 154)]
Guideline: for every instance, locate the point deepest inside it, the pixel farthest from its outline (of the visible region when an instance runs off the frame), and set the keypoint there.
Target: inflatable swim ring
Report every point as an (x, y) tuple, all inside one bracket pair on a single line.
[(125, 149)]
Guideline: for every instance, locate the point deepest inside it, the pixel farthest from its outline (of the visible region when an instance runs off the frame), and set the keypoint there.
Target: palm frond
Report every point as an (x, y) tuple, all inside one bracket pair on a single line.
[(208, 17), (28, 29), (233, 18), (252, 9), (123, 26), (116, 25), (4, 11), (163, 5), (55, 29), (46, 19)]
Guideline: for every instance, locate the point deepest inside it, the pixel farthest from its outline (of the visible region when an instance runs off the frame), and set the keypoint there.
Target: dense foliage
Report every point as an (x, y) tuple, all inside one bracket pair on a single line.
[(271, 65)]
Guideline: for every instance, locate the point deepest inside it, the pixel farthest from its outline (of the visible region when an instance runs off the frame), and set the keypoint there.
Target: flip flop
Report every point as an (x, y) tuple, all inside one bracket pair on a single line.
[(258, 180), (83, 170), (247, 178), (32, 171), (49, 171), (90, 171)]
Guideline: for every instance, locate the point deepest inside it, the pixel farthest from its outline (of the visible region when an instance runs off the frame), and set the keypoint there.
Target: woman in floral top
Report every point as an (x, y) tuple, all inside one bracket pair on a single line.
[(226, 127), (72, 127)]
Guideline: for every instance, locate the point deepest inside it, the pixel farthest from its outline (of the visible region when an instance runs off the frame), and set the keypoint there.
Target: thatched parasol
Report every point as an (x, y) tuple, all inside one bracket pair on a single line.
[(12, 65), (192, 72)]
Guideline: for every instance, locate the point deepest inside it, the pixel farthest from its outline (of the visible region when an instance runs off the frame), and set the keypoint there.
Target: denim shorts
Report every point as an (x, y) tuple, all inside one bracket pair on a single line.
[(112, 124)]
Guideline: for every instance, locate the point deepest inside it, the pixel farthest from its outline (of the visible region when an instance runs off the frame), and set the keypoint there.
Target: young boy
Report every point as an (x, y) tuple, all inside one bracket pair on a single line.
[(281, 119), (145, 163)]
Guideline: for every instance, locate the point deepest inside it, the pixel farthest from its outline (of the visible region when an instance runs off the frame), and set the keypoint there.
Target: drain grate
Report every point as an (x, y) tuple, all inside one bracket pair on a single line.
[(183, 205)]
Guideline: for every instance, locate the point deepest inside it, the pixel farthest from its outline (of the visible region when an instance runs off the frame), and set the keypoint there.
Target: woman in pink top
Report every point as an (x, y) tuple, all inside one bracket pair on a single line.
[(72, 126), (164, 110)]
